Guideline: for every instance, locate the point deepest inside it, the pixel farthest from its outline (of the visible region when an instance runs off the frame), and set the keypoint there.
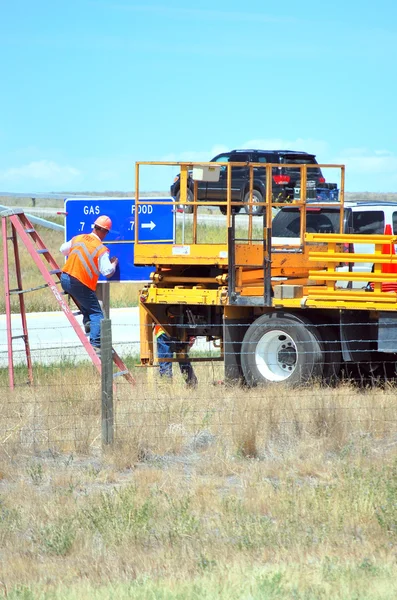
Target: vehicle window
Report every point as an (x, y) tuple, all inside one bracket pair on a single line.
[(262, 159), (240, 157), (369, 222), (223, 158), (298, 159), (394, 223), (287, 222)]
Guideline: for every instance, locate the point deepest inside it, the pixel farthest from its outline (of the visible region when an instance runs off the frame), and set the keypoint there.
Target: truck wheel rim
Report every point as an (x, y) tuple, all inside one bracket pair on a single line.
[(276, 356)]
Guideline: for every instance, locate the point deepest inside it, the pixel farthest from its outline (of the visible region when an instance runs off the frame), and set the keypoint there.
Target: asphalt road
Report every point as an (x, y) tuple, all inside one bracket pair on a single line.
[(52, 339)]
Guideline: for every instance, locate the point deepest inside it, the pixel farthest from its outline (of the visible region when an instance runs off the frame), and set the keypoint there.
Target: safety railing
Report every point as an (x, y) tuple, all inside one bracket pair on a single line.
[(272, 197), (380, 277)]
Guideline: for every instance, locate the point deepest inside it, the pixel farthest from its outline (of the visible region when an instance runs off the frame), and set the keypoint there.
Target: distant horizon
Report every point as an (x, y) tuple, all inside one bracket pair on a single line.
[(122, 194)]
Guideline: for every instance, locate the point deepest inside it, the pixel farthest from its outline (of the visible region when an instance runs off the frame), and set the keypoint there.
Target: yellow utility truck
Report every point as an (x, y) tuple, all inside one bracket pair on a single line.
[(279, 312)]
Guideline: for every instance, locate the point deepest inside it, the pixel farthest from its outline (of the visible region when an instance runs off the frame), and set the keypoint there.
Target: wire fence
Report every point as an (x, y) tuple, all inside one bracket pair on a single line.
[(160, 417)]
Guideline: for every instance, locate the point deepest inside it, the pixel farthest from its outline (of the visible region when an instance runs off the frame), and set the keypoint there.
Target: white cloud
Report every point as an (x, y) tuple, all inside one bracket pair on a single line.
[(362, 161), (366, 169), (41, 171)]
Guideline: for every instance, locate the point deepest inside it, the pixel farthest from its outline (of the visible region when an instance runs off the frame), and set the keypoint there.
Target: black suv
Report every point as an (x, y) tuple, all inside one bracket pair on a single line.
[(285, 181)]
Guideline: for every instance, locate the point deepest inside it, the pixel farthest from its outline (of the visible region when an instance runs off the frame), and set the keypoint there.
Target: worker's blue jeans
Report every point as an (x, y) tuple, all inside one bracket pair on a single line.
[(88, 304), (166, 347)]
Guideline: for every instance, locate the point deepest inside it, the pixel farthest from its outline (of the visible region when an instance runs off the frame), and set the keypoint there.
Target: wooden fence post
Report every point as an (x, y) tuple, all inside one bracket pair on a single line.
[(107, 382), (103, 295)]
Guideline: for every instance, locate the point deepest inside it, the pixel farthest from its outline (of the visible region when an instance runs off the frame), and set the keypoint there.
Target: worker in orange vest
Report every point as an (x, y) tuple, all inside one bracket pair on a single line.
[(167, 346), (87, 258)]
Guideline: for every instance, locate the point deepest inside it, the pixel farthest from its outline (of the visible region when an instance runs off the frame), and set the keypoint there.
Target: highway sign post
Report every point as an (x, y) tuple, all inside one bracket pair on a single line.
[(156, 223)]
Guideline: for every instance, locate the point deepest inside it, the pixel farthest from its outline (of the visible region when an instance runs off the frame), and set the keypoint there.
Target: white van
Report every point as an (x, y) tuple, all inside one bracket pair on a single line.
[(359, 217)]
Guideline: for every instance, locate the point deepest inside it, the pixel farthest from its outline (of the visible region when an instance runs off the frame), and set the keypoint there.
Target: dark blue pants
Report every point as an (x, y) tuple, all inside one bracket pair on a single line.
[(88, 304), (166, 347)]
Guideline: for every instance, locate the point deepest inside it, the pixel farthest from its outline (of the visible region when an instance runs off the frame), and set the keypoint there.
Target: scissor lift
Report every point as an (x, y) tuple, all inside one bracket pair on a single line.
[(232, 290)]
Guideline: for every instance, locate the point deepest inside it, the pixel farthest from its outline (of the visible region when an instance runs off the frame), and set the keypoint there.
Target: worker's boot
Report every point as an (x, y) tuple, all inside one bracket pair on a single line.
[(192, 381)]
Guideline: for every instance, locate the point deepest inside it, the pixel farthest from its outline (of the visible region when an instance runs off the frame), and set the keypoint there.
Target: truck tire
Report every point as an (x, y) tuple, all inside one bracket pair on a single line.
[(256, 197), (281, 348), (190, 197)]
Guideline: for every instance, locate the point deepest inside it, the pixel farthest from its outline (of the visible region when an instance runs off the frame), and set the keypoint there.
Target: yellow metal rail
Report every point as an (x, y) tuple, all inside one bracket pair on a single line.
[(185, 167), (384, 270)]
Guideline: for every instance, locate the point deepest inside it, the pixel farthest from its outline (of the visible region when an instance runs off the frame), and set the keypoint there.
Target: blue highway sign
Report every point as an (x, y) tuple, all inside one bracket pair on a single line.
[(156, 223)]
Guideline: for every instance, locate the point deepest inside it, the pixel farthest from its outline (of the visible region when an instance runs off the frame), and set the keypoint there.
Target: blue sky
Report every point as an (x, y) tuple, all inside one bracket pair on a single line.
[(89, 87)]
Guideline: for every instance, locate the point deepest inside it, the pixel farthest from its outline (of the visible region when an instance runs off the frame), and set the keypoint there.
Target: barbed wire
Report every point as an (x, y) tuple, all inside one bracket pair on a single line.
[(181, 327), (54, 412)]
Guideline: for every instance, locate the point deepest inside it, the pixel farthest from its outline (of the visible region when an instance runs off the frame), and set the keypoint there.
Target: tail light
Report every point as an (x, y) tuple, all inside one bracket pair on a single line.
[(281, 179), (321, 179)]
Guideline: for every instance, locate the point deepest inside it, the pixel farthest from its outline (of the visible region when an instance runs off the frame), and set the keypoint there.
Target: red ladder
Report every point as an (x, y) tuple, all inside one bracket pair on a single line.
[(21, 225)]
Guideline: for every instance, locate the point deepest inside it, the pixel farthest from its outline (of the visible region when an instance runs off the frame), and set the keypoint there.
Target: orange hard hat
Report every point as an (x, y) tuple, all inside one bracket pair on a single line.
[(104, 222)]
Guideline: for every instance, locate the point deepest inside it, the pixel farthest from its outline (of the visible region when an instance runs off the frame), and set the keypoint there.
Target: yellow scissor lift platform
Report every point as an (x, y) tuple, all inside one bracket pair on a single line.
[(310, 266), (235, 275), (236, 268)]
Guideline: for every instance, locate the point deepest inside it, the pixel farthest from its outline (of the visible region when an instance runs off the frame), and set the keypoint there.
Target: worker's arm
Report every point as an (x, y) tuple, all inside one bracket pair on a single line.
[(107, 266), (65, 248)]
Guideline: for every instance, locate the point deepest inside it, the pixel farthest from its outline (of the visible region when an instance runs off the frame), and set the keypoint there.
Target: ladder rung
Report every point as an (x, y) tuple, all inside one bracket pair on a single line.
[(30, 230), (76, 314), (42, 251), (33, 289), (55, 272), (119, 373), (18, 337)]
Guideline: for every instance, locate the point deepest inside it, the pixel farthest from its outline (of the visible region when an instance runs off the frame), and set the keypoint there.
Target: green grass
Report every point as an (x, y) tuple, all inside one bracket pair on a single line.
[(149, 539), (327, 580), (216, 233)]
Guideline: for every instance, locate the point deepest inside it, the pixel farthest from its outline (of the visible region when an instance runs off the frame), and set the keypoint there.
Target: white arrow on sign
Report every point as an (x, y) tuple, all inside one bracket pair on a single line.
[(150, 225)]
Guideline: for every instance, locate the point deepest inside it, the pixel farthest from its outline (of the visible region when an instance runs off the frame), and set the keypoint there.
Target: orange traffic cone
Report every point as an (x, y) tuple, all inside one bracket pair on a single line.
[(388, 249), (389, 286)]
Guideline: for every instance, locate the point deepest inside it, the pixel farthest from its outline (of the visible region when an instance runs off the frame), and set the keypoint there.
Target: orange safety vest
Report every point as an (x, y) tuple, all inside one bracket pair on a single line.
[(158, 330), (83, 259)]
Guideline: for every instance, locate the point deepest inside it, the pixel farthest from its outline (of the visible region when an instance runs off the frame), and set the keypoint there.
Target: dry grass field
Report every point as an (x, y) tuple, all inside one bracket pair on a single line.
[(221, 492)]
